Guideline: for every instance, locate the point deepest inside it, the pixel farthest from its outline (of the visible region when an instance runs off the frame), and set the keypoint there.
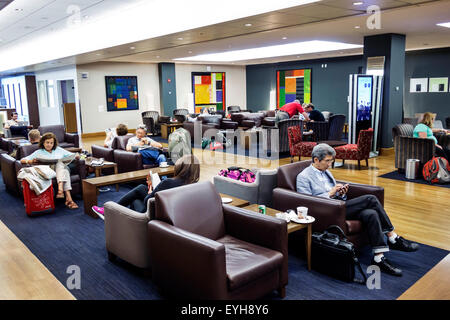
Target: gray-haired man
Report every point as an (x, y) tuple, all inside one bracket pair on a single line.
[(317, 180)]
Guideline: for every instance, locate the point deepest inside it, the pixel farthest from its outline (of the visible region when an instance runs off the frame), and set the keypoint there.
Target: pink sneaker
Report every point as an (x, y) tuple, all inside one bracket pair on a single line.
[(100, 211)]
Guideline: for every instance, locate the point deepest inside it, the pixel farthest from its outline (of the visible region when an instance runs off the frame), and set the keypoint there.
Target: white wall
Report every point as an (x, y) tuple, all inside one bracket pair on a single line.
[(235, 83), (92, 93), (53, 116)]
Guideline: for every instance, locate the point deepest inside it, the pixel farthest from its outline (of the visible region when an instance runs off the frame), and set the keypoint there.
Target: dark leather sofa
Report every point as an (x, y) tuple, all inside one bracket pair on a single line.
[(65, 140), (206, 122), (250, 120), (126, 160), (201, 249), (12, 166), (326, 211)]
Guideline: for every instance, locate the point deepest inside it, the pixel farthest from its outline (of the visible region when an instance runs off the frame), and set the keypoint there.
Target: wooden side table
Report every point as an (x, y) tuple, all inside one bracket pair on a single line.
[(291, 227), (168, 128), (98, 169)]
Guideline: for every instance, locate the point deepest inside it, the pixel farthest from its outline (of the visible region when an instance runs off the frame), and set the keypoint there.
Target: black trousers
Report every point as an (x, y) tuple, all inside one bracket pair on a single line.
[(375, 220), (135, 199), (19, 131)]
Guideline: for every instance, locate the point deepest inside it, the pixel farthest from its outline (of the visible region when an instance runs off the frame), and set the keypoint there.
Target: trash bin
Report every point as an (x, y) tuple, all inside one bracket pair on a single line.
[(412, 168)]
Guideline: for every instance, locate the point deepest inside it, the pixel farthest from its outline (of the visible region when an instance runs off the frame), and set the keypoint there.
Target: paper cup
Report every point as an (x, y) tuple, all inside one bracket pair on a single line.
[(302, 212)]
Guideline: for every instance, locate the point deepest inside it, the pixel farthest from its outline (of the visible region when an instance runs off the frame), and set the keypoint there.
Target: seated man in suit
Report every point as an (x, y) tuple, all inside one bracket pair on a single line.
[(317, 180), (314, 115), (140, 142)]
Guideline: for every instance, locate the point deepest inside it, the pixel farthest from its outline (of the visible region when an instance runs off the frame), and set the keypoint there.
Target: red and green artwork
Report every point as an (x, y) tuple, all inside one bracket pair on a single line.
[(293, 84)]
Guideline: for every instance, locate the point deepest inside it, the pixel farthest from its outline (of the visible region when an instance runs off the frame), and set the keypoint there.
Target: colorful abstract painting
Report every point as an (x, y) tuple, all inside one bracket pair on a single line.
[(121, 93), (209, 90), (293, 84)]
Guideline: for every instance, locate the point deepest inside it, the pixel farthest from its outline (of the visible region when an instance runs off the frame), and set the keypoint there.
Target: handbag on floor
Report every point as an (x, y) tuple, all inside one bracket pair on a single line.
[(333, 255)]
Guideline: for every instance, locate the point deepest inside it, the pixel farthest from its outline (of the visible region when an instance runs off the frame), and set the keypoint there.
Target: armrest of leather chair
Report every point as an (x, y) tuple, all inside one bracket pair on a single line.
[(228, 124), (126, 234), (128, 161), (72, 138), (268, 121), (248, 123), (102, 152), (326, 211), (80, 168), (197, 265), (357, 189)]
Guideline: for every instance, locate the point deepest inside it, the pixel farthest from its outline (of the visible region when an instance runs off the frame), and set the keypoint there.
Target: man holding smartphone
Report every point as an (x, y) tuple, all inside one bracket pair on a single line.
[(317, 180)]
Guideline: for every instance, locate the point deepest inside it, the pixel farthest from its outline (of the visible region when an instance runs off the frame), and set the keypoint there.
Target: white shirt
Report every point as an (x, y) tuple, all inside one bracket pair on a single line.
[(135, 140)]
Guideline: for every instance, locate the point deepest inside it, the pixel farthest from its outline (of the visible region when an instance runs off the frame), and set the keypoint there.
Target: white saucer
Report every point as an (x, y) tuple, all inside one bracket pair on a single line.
[(164, 166), (227, 200), (309, 219)]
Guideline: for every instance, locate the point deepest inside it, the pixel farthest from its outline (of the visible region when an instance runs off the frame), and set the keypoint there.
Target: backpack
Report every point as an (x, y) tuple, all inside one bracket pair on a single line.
[(437, 170), (238, 173)]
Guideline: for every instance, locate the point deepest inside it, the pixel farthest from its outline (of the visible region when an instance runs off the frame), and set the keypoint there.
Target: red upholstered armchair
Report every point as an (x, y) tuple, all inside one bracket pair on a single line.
[(359, 151), (297, 147)]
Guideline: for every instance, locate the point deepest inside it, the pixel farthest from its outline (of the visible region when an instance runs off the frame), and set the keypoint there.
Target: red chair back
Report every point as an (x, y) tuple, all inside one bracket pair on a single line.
[(365, 142)]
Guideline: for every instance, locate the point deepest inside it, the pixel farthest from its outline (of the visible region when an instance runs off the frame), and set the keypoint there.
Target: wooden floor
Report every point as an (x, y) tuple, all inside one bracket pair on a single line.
[(418, 212), (22, 275)]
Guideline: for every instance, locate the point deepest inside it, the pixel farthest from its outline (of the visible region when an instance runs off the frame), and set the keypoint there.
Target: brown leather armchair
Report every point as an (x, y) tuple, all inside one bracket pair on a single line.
[(65, 140), (201, 249), (326, 211)]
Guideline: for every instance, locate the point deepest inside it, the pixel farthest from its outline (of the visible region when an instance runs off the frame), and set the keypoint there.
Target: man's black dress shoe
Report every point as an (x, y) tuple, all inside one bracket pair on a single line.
[(403, 245), (386, 266)]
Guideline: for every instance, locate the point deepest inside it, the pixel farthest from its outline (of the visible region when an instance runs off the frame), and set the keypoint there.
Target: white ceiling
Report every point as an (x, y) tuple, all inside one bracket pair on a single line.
[(332, 20)]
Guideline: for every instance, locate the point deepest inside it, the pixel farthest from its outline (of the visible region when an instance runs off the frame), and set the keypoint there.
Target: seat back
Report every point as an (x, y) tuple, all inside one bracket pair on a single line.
[(287, 174), (120, 142), (232, 109), (6, 145), (24, 151), (402, 130), (196, 208), (283, 126), (58, 130), (182, 112), (412, 121), (294, 136), (8, 165), (336, 125), (319, 128), (210, 119), (365, 138)]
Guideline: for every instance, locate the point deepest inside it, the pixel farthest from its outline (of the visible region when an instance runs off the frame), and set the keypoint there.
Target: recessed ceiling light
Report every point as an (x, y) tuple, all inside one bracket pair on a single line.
[(288, 49), (98, 54), (132, 48), (180, 38), (444, 24), (357, 27), (284, 38), (189, 51), (248, 24), (18, 9), (157, 56), (358, 3)]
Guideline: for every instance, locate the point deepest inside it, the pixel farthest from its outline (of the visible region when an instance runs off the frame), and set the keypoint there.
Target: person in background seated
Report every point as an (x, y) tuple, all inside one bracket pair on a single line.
[(48, 148), (289, 110), (141, 140), (314, 115), (34, 136), (425, 130), (14, 127), (121, 130), (317, 180), (186, 171)]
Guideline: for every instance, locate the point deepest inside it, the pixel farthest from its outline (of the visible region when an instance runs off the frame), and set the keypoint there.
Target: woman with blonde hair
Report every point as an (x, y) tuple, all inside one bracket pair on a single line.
[(425, 130), (186, 171)]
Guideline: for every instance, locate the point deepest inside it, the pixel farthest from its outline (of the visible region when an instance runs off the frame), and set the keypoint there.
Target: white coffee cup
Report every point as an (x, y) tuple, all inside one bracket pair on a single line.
[(163, 164), (302, 212)]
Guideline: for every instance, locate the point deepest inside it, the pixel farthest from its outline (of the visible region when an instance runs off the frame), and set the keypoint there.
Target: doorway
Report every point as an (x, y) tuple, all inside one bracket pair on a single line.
[(66, 96)]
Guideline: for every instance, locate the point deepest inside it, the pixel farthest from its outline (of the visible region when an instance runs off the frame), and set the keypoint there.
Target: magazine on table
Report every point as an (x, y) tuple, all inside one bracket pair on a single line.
[(66, 160)]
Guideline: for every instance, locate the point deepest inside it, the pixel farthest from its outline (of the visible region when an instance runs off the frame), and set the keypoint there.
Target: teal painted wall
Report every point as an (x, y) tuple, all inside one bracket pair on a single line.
[(167, 90)]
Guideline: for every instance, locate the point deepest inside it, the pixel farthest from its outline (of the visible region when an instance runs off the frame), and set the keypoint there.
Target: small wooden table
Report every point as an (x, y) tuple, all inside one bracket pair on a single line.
[(291, 227), (236, 201), (98, 169), (90, 185), (168, 128)]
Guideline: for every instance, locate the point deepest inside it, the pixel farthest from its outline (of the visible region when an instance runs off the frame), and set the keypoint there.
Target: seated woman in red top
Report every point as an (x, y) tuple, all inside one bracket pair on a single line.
[(289, 110)]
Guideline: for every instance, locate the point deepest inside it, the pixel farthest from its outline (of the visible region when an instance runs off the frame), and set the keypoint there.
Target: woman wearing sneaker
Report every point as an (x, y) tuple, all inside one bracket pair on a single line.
[(186, 171)]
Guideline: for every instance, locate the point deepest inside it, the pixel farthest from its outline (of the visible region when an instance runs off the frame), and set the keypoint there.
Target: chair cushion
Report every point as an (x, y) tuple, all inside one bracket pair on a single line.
[(246, 262), (303, 149), (347, 152), (287, 174), (354, 226)]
